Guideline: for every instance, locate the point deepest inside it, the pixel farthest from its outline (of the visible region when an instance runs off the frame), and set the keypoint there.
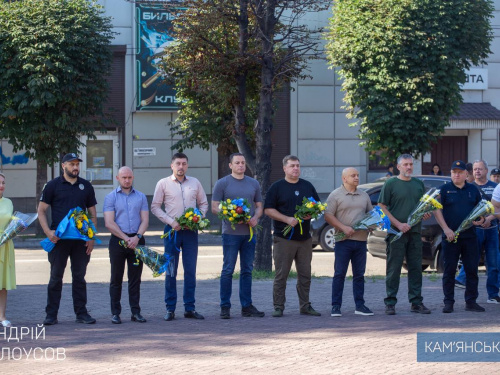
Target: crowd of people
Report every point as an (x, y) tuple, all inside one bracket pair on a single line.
[(126, 215)]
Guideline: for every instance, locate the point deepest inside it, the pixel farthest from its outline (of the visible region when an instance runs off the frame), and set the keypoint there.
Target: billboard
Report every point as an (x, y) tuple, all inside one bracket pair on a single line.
[(153, 34)]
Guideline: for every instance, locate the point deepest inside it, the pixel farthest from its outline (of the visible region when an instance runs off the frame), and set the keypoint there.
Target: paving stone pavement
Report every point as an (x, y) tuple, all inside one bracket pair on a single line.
[(293, 344)]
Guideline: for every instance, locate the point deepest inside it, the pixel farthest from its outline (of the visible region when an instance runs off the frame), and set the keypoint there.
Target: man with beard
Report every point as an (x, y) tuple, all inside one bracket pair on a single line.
[(177, 193), (398, 198), (63, 194)]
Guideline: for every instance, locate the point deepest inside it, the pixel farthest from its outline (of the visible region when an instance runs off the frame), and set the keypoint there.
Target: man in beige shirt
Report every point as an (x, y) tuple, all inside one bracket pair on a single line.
[(177, 193), (347, 205)]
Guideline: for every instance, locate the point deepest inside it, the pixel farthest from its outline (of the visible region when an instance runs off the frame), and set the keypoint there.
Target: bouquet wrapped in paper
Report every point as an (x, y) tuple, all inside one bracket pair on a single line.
[(483, 208), (427, 204), (372, 220), (156, 262), (309, 207), (76, 225), (190, 219), (18, 223), (236, 211)]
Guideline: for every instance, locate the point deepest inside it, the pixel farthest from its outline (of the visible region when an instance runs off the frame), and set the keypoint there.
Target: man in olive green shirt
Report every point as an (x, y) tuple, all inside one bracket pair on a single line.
[(398, 198)]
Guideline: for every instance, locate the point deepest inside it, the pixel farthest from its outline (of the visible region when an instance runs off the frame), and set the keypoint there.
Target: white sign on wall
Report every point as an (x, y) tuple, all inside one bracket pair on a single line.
[(476, 79), (144, 151)]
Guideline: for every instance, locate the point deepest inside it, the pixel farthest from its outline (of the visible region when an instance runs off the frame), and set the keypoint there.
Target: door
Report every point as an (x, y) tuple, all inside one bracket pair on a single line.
[(445, 152), (100, 166)]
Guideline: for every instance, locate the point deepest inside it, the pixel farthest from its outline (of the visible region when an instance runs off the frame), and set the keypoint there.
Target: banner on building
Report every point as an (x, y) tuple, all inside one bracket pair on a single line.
[(154, 33)]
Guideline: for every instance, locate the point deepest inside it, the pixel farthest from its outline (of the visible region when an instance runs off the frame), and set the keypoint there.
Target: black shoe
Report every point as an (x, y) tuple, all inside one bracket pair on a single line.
[(85, 319), (193, 315), (50, 321), (390, 310), (169, 316), (448, 308), (310, 311), (251, 311), (474, 307), (138, 318), (420, 309), (277, 313), (225, 313), (116, 319)]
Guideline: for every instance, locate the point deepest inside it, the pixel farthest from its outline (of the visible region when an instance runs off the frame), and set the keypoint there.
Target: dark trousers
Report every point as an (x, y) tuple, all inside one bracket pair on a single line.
[(58, 258), (468, 250), (409, 246), (118, 255), (355, 252), (187, 241)]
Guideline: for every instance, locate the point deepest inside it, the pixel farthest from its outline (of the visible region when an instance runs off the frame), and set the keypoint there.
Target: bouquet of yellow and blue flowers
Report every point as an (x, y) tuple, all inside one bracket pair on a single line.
[(191, 219), (236, 211), (309, 207), (18, 223), (158, 263), (483, 208), (75, 226), (428, 203), (372, 220)]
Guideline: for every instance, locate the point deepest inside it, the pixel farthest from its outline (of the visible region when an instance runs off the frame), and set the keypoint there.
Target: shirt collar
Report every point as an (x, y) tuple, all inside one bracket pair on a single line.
[(64, 181), (119, 189), (173, 178), (356, 192)]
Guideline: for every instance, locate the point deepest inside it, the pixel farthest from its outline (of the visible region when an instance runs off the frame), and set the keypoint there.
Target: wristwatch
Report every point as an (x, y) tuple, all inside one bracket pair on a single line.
[(139, 236)]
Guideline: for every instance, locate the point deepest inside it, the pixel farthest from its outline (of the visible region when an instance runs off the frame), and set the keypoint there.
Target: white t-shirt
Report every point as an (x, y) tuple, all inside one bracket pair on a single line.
[(496, 194)]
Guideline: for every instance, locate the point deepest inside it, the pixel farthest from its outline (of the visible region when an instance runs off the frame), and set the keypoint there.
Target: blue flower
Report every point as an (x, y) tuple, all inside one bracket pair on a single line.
[(312, 199)]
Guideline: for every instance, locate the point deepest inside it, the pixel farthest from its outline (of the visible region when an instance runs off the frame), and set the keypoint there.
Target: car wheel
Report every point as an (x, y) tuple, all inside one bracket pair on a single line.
[(424, 266), (326, 239)]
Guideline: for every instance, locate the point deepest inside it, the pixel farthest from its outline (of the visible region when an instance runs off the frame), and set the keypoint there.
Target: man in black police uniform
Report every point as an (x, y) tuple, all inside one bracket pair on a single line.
[(459, 198), (63, 194)]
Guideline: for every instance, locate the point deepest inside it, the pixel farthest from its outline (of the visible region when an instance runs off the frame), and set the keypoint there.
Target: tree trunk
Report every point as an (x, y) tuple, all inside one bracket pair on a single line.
[(41, 180)]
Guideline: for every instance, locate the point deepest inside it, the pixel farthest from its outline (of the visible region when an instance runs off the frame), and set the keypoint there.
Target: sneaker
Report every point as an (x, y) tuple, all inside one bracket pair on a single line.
[(85, 319), (420, 309), (310, 311), (363, 310), (277, 313), (474, 307), (225, 313), (448, 308), (390, 310), (493, 300), (458, 284), (336, 311), (251, 311)]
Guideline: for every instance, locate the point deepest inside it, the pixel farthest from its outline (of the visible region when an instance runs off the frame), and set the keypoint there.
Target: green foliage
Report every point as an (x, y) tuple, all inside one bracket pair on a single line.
[(402, 62), (54, 60)]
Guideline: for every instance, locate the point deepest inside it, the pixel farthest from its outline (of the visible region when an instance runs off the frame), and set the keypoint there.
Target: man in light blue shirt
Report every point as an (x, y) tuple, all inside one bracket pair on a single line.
[(126, 216)]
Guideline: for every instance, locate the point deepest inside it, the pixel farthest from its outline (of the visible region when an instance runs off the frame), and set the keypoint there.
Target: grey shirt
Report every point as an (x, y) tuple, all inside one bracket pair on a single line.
[(231, 188)]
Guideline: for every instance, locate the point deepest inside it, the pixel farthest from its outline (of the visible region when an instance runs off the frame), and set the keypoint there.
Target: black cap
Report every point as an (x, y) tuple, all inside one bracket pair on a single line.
[(468, 167), (70, 157), (495, 171), (459, 164)]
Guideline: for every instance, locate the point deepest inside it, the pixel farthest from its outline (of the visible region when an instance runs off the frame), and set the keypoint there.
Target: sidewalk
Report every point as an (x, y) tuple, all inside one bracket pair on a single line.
[(294, 344)]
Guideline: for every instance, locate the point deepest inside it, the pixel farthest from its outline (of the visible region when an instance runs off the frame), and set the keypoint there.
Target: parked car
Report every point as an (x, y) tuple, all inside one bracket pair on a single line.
[(322, 233)]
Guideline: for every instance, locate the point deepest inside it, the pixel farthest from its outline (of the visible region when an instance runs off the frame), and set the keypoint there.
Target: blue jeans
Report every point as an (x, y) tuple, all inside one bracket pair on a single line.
[(466, 248), (488, 238), (187, 241), (232, 245), (355, 252)]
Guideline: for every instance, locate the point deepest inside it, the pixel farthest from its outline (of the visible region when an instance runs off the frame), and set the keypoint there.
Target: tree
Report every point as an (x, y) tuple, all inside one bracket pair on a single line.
[(235, 54), (402, 63), (54, 61)]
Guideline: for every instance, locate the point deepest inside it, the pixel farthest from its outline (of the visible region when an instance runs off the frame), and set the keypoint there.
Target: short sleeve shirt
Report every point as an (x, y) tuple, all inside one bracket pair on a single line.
[(486, 191), (349, 208), (231, 188), (457, 204), (127, 208), (63, 196), (496, 194), (401, 198), (284, 196)]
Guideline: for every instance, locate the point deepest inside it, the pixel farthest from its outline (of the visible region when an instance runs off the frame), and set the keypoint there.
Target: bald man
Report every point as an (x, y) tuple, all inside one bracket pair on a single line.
[(126, 215), (346, 206)]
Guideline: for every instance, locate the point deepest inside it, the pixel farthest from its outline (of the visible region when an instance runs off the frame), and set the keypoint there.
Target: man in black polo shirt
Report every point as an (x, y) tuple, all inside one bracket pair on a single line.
[(459, 198), (63, 194)]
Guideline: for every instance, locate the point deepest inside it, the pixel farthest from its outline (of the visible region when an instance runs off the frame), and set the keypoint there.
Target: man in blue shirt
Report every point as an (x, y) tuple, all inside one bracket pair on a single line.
[(126, 215), (459, 198), (487, 235)]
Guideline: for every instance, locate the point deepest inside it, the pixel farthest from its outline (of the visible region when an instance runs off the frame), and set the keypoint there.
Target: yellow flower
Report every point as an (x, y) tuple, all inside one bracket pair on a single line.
[(224, 212), (190, 219), (309, 205), (79, 224), (90, 233), (85, 218), (188, 214), (230, 219), (228, 200), (232, 212), (235, 214)]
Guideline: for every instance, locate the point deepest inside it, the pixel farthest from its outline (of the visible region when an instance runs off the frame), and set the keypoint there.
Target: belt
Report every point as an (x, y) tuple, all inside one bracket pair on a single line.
[(128, 234)]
